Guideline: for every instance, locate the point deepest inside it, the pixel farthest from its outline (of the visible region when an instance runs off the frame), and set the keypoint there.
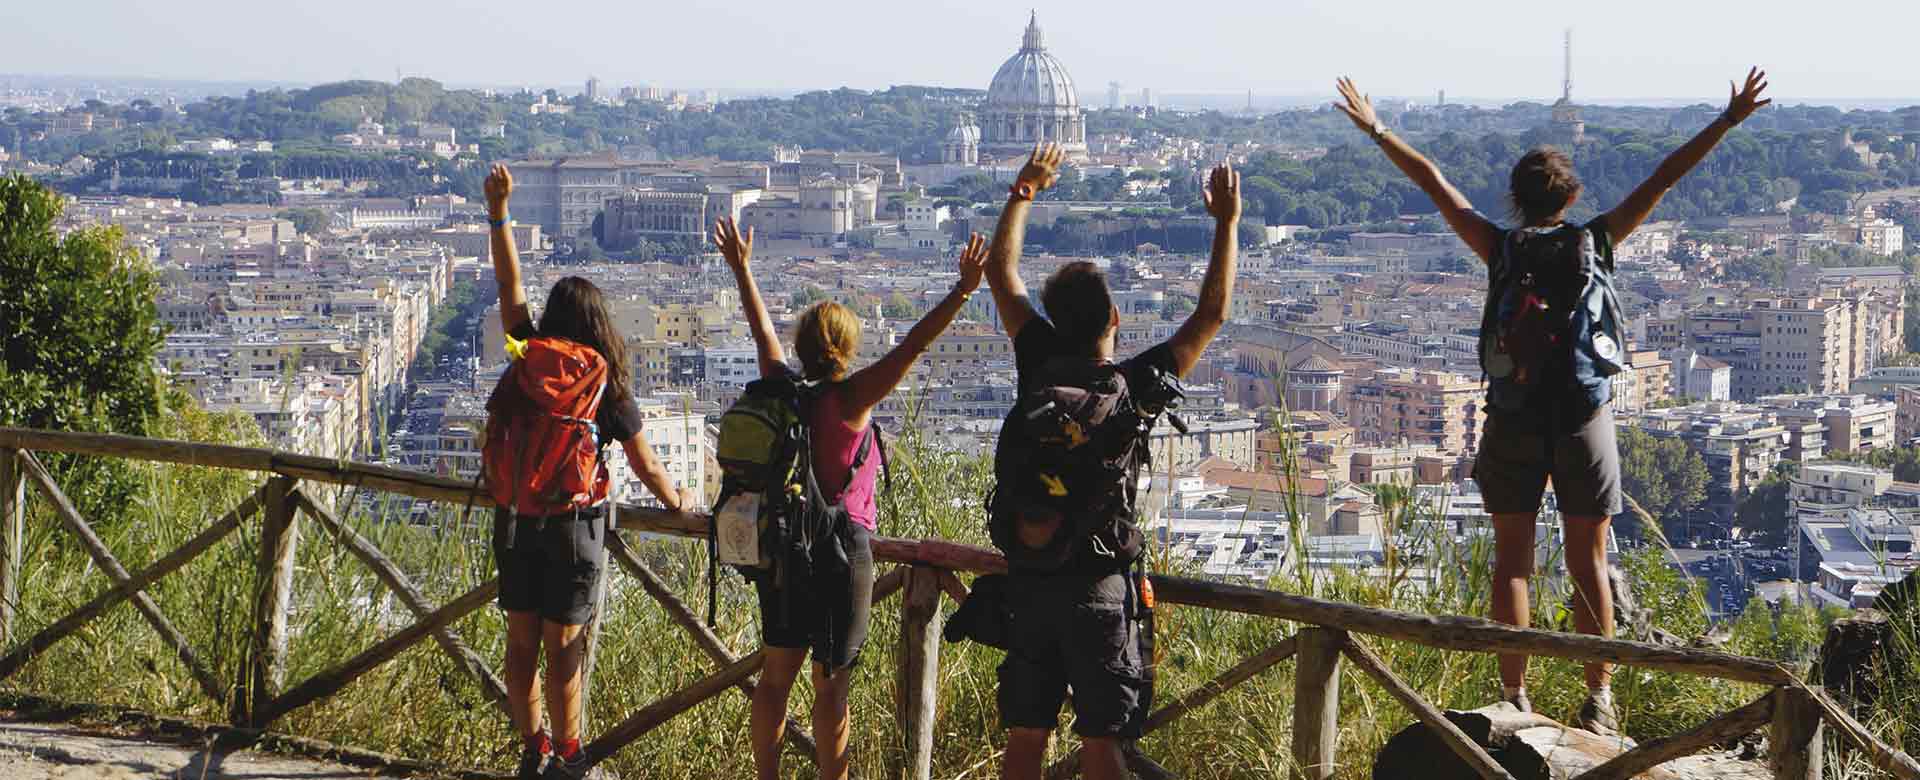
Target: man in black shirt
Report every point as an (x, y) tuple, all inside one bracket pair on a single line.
[(1070, 628)]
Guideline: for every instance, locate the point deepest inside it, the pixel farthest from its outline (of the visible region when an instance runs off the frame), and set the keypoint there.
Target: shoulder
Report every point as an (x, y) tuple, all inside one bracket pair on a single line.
[(1037, 339), (525, 330), (1158, 356), (1598, 228)]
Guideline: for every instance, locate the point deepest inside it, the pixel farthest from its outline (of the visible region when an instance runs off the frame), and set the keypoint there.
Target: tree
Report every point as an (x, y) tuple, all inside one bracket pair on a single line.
[(79, 333), (898, 307), (309, 221), (1664, 475), (1764, 512)]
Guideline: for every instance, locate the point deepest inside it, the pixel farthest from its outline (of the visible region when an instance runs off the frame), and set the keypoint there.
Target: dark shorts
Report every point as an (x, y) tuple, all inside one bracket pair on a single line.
[(1072, 632), (553, 565), (827, 611), (1520, 452)]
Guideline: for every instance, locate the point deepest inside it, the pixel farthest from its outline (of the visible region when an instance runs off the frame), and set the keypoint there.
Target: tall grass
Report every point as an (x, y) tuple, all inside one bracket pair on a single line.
[(423, 705)]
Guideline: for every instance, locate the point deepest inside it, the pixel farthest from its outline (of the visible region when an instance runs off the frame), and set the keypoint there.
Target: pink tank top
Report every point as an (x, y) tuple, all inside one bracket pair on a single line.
[(834, 446)]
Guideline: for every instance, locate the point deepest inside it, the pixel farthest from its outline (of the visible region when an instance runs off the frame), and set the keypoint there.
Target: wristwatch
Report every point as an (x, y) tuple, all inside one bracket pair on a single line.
[(1021, 191), (1378, 130)]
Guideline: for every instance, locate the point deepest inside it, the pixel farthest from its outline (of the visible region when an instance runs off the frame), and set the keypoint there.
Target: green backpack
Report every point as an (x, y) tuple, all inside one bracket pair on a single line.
[(770, 510)]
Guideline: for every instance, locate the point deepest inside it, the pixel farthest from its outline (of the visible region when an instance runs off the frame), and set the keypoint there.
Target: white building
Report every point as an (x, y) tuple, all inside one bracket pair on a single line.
[(732, 365)]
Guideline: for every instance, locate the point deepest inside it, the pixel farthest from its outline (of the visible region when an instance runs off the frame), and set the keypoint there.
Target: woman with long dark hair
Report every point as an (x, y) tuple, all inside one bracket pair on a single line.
[(550, 567), (830, 616), (1556, 424)]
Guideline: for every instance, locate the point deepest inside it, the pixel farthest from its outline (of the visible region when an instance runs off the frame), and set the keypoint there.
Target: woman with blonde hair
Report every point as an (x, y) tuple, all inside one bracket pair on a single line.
[(830, 616)]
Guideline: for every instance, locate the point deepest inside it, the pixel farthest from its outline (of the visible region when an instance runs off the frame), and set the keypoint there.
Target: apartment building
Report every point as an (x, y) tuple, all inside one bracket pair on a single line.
[(1437, 408), (1810, 345)]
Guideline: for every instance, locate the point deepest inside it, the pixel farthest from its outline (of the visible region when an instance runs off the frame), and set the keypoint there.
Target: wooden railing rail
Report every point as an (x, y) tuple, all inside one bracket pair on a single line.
[(1327, 630)]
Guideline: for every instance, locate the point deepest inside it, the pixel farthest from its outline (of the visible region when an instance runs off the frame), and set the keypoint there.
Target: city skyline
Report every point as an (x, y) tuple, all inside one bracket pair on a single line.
[(1290, 51)]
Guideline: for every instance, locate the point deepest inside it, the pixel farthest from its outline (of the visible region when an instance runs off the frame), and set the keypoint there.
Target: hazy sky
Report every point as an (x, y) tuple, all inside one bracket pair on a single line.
[(1622, 48)]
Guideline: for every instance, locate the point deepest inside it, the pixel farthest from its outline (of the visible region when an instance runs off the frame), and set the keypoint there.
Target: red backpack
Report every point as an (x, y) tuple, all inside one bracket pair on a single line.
[(542, 455)]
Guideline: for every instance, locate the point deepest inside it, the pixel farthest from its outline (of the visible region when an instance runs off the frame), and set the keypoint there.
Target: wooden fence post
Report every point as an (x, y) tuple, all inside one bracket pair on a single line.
[(1795, 747), (918, 678), (13, 520), (273, 578), (1316, 702)]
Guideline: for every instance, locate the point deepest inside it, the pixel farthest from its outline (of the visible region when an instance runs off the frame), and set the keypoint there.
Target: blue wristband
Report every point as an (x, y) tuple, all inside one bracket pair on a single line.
[(501, 222)]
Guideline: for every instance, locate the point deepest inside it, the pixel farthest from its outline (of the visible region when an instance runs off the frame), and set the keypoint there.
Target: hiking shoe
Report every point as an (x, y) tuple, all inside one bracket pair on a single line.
[(1521, 702), (561, 769), (532, 761), (1596, 715)]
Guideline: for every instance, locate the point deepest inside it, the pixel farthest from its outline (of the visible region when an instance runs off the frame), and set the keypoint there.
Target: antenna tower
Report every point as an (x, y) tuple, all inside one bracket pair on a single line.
[(1566, 87)]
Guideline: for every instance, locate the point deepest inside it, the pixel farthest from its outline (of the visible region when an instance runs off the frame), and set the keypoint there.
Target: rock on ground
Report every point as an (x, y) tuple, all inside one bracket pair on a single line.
[(55, 751), (1536, 747)]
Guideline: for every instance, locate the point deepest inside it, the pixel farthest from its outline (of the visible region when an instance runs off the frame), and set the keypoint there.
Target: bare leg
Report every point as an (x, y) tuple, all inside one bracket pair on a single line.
[(1100, 759), (830, 720), (523, 659), (769, 719), (1592, 594), (1512, 567), (566, 647), (1026, 749)]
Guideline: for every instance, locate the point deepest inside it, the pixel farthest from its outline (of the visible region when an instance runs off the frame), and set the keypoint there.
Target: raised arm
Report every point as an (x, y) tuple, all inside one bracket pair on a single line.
[(738, 249), (506, 256), (1222, 196), (1741, 103), (1480, 235), (869, 386), (1003, 258)]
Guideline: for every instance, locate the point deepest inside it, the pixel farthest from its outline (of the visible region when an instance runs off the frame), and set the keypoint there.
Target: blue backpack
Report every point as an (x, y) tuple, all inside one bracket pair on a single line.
[(1552, 318)]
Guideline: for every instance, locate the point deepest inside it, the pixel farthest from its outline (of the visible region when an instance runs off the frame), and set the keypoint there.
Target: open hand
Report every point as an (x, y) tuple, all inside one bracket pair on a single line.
[(498, 187), (973, 264), (1743, 101), (1356, 106), (1042, 168), (1222, 194), (736, 248)]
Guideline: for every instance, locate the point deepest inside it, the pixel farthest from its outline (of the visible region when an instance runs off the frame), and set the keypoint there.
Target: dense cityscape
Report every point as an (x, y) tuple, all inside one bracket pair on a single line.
[(324, 270)]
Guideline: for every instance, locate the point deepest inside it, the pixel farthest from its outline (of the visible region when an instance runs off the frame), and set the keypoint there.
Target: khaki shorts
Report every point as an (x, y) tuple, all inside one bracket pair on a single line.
[(1520, 452)]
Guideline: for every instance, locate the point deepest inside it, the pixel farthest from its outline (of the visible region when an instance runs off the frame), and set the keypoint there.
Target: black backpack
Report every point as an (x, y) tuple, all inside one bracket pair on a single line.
[(1067, 469), (765, 451), (1552, 318)]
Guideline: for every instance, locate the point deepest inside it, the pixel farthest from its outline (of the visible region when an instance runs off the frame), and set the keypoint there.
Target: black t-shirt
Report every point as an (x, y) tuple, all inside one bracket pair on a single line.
[(617, 421), (1039, 342)]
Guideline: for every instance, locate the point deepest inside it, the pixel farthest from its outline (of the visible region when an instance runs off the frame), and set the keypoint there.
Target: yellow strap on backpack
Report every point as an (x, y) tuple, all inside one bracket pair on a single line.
[(516, 348)]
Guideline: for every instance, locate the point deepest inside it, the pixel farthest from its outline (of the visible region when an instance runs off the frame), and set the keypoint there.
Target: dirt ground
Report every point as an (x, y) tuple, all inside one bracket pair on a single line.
[(48, 751)]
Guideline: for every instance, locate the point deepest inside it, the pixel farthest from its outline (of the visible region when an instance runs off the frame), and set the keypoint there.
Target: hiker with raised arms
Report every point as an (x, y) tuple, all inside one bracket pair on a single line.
[(567, 395), (1550, 337), (813, 572), (1077, 608)]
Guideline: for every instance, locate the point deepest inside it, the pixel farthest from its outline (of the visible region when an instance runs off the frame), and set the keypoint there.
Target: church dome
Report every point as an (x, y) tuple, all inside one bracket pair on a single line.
[(1030, 101), (1032, 78), (1315, 364)]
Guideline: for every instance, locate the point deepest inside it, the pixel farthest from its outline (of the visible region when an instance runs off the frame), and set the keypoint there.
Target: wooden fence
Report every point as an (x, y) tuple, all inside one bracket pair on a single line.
[(1795, 713)]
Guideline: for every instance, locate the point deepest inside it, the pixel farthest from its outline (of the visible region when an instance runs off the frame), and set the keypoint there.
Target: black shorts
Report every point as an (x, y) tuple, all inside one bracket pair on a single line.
[(1520, 452), (1073, 632), (553, 566), (827, 611)]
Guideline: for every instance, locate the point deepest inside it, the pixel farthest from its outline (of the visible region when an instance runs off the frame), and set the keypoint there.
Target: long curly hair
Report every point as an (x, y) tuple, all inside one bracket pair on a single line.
[(577, 311)]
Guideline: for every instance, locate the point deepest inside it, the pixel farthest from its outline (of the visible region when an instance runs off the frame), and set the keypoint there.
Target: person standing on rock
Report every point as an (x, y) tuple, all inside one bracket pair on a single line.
[(550, 544), (1550, 338)]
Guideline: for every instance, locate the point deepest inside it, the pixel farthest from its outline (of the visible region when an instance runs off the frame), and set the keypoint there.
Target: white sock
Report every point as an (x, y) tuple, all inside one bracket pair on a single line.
[(1602, 694), (1511, 692)]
